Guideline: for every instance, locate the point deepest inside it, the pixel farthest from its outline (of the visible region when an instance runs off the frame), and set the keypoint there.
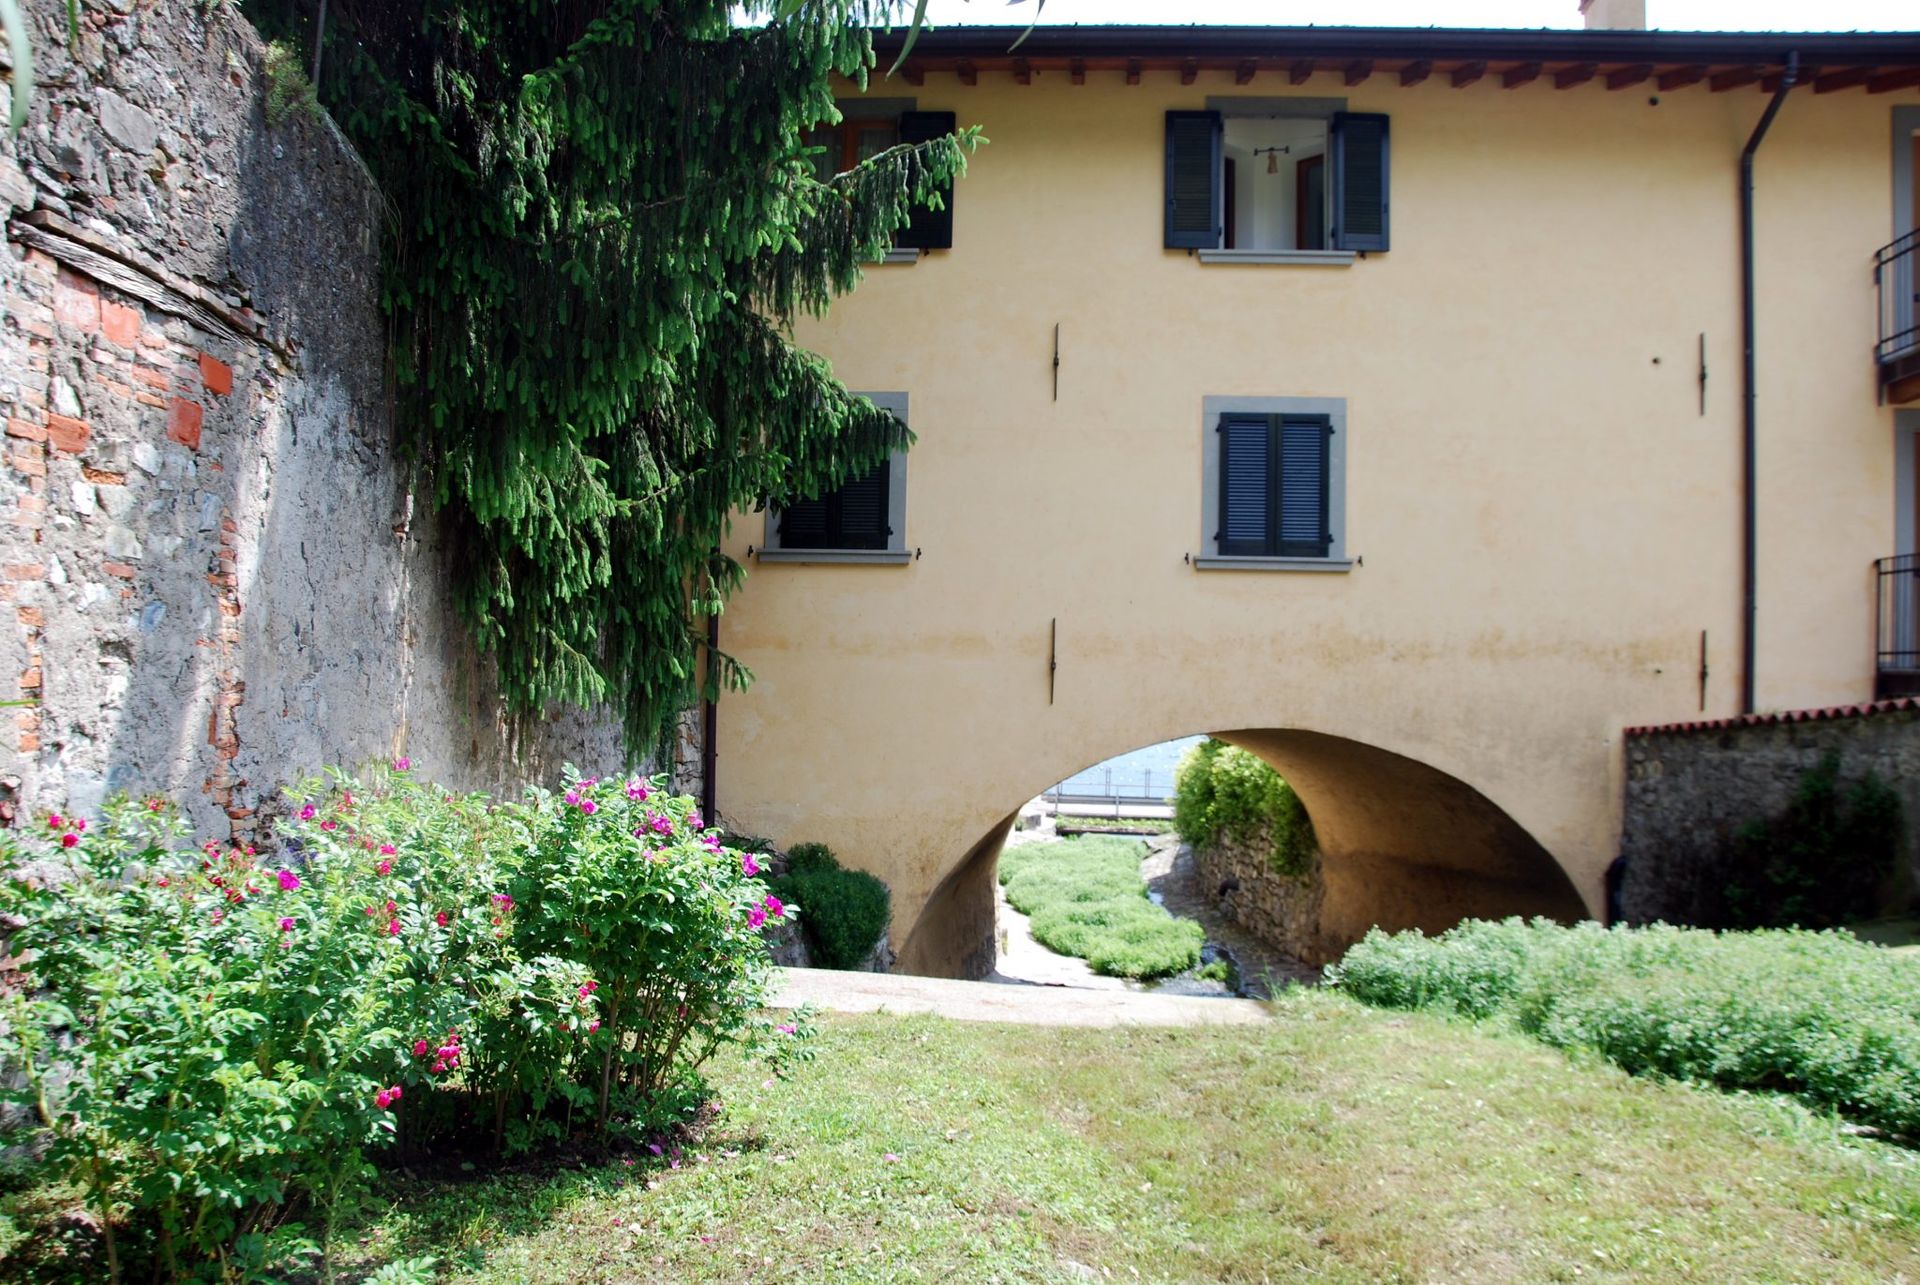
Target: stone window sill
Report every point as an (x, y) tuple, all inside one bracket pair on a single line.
[(897, 255), (1206, 563), (1277, 258), (845, 557)]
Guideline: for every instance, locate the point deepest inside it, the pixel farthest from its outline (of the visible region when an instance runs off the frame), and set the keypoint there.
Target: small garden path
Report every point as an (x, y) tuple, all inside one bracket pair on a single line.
[(993, 1002)]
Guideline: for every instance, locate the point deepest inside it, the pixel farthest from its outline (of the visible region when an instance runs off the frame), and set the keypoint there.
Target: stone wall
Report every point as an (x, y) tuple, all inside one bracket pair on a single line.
[(218, 569), (1689, 790), (1282, 910)]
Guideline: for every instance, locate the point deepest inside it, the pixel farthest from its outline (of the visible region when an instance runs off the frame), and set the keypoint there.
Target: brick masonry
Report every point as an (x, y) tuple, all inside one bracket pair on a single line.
[(214, 568), (1689, 790)]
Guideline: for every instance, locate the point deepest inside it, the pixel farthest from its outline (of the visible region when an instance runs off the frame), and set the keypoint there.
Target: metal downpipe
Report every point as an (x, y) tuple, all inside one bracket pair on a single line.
[(1749, 409)]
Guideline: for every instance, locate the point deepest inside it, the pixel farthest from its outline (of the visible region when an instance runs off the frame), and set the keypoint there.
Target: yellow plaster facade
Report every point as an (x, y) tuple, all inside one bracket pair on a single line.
[(1544, 522)]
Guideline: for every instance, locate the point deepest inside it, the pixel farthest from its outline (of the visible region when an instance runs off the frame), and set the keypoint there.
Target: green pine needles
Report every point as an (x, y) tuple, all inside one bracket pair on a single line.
[(606, 220)]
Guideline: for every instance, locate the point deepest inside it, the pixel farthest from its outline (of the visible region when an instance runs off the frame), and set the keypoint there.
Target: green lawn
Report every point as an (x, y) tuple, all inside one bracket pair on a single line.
[(1341, 1144)]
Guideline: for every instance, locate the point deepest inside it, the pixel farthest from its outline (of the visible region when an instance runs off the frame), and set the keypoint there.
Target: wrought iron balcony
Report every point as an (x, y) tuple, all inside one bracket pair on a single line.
[(1898, 349)]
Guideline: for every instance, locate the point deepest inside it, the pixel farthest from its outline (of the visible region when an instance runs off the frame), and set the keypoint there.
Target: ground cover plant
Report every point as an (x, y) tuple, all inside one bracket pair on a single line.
[(1335, 1143), (1824, 1016), (1068, 826), (1086, 898), (214, 1043), (1222, 791), (846, 911)]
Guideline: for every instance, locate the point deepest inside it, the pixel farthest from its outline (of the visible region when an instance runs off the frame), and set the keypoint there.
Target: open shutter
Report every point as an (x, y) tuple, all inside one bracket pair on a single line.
[(1194, 214), (929, 229), (1303, 487), (1246, 485), (862, 504), (803, 524), (1358, 143)]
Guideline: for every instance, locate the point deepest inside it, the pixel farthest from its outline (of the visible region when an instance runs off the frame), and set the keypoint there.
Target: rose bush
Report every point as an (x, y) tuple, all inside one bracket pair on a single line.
[(213, 1041)]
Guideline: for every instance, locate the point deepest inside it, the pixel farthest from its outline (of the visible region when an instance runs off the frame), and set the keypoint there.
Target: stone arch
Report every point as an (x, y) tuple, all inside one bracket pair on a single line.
[(1403, 845)]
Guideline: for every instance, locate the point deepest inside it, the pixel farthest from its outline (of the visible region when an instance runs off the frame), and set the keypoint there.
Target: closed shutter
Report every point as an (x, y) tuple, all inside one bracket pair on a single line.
[(1303, 487), (1246, 485), (863, 510), (1358, 143), (1194, 216), (803, 524), (929, 229)]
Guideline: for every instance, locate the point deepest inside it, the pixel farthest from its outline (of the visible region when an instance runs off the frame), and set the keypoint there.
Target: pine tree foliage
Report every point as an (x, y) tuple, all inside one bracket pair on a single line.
[(605, 220)]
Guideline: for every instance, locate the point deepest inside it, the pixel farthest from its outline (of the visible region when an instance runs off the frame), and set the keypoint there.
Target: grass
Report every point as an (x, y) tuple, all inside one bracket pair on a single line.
[(1086, 898), (1071, 825), (1339, 1144)]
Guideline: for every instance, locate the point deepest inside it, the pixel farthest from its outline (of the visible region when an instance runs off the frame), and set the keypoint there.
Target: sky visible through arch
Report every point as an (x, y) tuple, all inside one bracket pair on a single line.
[(1666, 15)]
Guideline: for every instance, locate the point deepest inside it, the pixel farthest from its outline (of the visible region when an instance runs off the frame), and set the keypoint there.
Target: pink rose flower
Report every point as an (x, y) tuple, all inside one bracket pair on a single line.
[(386, 850), (756, 917), (420, 1048), (385, 867), (774, 907), (306, 813), (403, 765), (286, 925), (69, 839), (748, 866), (289, 881), (442, 918), (393, 927)]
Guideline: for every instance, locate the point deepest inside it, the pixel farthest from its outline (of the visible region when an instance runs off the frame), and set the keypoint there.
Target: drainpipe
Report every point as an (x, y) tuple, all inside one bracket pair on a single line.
[(1749, 411), (710, 725)]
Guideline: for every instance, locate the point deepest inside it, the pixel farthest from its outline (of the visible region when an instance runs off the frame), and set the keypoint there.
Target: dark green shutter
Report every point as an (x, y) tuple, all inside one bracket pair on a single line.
[(1246, 485), (1302, 504), (1194, 215), (930, 229), (862, 505), (1358, 145), (803, 524)]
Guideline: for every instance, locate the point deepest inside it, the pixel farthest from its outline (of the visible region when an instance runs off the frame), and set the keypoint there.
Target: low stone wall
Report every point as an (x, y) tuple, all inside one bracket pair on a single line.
[(215, 565), (1282, 910), (1690, 789)]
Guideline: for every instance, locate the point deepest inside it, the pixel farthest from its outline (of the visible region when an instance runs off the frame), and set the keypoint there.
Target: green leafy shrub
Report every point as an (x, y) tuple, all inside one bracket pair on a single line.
[(1086, 898), (1219, 789), (1821, 862), (214, 1043), (1820, 1015), (844, 912)]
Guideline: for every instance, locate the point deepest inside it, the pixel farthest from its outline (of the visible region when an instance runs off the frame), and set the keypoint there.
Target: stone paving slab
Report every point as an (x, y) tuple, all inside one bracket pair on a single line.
[(996, 1002)]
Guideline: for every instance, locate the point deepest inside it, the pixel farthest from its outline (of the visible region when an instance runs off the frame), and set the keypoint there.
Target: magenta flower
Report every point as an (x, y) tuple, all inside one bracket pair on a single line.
[(420, 1048), (637, 790), (69, 839), (748, 866), (53, 821), (381, 1099), (393, 927), (589, 807), (439, 1068), (502, 900), (442, 918), (306, 813), (80, 824), (593, 1026), (286, 925), (329, 825), (774, 907), (659, 823), (573, 798), (386, 850), (787, 1028), (289, 881), (694, 822), (403, 765), (391, 907), (756, 917)]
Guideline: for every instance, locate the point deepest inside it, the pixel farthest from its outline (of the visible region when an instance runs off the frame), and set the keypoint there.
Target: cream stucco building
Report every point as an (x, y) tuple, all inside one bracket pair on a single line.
[(1372, 398)]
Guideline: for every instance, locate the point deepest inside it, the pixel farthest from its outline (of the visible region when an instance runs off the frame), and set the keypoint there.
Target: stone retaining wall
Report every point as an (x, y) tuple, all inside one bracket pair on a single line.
[(1690, 789), (216, 567), (1282, 910)]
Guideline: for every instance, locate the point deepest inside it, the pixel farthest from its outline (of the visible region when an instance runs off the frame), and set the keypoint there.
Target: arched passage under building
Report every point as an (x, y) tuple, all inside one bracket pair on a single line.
[(1403, 845)]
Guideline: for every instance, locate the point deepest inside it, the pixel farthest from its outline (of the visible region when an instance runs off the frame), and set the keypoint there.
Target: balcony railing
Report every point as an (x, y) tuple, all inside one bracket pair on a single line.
[(1897, 625), (1898, 347)]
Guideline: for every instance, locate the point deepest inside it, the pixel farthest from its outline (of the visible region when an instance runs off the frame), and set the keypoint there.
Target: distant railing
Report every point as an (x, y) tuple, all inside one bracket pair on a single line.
[(1893, 272), (1103, 789), (1897, 612)]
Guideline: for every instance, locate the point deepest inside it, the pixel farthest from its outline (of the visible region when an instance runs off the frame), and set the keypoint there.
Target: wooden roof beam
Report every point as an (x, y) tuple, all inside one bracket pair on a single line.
[(1415, 72), (1680, 77), (1078, 70), (1846, 78), (968, 73), (1298, 72), (1022, 72), (1133, 71), (1894, 80), (1626, 77), (1733, 78), (1189, 71), (1243, 74), (1466, 73), (1358, 70), (914, 74), (1577, 74), (1520, 74)]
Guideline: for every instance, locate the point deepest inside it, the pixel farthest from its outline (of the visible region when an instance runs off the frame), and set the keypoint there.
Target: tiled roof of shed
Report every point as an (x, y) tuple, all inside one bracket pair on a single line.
[(1829, 714)]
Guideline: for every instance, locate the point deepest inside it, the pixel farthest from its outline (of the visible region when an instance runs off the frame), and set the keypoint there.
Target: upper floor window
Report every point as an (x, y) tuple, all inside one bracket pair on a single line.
[(1276, 176), (863, 519), (869, 126)]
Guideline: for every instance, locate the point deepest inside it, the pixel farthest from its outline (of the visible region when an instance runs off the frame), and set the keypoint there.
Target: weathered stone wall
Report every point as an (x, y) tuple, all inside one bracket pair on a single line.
[(1690, 789), (217, 568), (1282, 910)]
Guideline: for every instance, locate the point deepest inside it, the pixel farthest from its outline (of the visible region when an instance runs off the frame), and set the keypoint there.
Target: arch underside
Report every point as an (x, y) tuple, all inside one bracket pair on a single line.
[(1403, 845)]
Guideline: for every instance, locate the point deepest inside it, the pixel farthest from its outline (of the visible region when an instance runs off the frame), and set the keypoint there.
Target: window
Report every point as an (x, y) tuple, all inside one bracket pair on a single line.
[(1275, 484), (1287, 179), (869, 127), (862, 520)]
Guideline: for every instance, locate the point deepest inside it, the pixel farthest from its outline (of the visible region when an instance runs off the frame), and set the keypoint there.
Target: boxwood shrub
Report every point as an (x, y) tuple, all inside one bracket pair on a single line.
[(844, 912)]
